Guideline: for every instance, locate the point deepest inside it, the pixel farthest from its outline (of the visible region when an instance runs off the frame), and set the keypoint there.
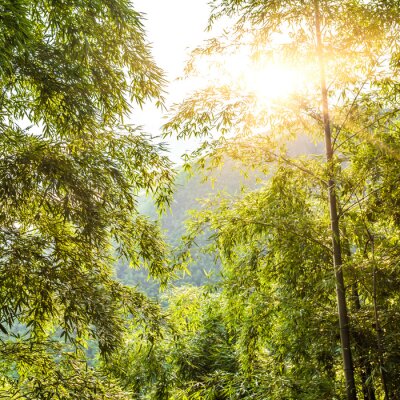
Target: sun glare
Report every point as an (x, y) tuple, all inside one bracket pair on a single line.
[(268, 81)]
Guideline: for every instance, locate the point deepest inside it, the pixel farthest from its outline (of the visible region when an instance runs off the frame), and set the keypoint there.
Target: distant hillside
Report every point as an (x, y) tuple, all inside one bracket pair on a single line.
[(189, 191)]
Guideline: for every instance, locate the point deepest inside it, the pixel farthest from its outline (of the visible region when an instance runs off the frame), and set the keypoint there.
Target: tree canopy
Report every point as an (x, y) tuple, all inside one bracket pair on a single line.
[(347, 53), (70, 175), (307, 304)]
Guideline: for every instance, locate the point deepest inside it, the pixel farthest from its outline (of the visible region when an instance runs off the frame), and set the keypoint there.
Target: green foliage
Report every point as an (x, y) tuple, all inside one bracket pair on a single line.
[(275, 243), (278, 285), (191, 190), (44, 373), (269, 330), (70, 176), (194, 352)]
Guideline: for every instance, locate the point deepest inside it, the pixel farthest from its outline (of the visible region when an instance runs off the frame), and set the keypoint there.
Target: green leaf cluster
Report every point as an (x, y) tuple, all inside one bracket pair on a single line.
[(71, 172)]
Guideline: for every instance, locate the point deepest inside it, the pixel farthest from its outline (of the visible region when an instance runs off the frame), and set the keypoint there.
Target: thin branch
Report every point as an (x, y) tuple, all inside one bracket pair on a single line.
[(289, 162), (358, 202), (387, 115), (348, 114), (301, 168)]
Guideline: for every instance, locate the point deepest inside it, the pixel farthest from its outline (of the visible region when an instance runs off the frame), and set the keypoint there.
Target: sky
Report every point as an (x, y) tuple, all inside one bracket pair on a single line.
[(173, 28)]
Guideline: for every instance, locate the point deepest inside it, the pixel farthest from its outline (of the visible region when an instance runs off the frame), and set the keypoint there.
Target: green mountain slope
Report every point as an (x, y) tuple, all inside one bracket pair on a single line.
[(190, 190)]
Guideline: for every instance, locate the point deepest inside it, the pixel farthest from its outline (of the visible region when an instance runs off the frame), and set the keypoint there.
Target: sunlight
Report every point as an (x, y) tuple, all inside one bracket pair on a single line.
[(269, 81)]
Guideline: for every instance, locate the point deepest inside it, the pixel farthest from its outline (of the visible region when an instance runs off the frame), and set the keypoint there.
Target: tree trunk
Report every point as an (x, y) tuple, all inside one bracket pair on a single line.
[(365, 365), (377, 323), (337, 256), (367, 385)]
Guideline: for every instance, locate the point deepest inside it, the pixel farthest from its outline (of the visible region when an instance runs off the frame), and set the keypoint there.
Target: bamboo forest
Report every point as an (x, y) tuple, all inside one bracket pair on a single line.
[(200, 199)]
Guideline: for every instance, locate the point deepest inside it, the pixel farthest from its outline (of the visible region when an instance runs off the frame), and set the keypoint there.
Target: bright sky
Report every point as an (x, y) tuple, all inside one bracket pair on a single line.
[(174, 27)]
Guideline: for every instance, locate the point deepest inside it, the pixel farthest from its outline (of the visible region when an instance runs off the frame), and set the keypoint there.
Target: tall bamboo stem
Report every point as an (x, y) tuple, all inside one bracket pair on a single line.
[(335, 232)]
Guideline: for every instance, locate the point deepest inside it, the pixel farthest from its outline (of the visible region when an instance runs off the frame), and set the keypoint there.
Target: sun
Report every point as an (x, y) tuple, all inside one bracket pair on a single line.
[(268, 80), (271, 82)]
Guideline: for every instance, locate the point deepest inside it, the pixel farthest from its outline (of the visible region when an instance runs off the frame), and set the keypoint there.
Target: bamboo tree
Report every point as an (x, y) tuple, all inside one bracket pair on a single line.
[(376, 318), (70, 175), (335, 231), (353, 41)]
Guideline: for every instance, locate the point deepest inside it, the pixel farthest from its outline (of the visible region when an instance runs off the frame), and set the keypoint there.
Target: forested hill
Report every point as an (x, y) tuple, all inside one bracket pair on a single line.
[(190, 190), (189, 193)]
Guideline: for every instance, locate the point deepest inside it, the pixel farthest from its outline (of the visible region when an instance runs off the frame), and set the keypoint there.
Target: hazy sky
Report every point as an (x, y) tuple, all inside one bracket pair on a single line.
[(173, 27)]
